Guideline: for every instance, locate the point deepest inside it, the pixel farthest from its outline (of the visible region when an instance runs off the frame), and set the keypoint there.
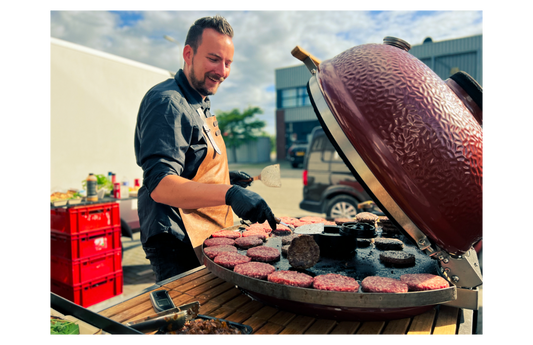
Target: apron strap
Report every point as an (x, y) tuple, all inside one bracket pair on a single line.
[(208, 131)]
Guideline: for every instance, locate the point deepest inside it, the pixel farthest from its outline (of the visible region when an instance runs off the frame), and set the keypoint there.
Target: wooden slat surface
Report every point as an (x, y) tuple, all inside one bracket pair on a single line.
[(346, 327), (423, 323), (399, 326), (372, 327), (447, 320), (221, 299), (321, 326)]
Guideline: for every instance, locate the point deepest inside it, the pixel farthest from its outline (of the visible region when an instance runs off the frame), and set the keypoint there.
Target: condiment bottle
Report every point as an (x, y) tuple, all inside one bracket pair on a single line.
[(92, 194), (124, 190)]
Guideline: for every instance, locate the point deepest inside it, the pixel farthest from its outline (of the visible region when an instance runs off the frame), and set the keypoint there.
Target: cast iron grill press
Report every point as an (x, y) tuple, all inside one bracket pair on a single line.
[(415, 143)]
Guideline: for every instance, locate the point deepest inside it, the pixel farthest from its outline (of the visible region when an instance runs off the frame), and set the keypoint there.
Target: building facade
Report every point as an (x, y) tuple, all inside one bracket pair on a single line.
[(295, 117)]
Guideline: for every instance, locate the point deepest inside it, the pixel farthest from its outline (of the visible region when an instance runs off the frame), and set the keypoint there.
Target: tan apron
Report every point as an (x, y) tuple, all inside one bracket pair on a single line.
[(201, 223)]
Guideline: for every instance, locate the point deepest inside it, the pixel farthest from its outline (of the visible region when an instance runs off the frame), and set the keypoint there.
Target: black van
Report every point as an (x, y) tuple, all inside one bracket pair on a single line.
[(329, 186)]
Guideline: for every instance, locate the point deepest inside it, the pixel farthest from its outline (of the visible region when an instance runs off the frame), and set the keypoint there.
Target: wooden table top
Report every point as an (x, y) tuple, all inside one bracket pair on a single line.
[(221, 299)]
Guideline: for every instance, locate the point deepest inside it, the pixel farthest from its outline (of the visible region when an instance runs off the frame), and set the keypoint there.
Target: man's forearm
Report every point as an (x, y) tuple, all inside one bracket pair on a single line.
[(180, 192)]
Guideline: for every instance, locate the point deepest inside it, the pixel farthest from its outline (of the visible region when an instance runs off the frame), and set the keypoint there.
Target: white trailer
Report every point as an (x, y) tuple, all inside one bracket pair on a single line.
[(95, 97)]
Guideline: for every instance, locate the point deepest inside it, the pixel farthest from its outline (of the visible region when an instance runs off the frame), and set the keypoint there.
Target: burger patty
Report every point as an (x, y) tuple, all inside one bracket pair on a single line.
[(248, 242), (364, 242), (335, 282), (303, 252), (397, 258), (288, 239), (260, 226), (219, 241), (212, 252), (230, 259), (383, 285), (259, 270), (340, 221), (227, 233), (291, 278), (282, 230), (383, 243), (424, 281), (366, 217), (255, 232), (312, 220), (290, 220), (264, 254)]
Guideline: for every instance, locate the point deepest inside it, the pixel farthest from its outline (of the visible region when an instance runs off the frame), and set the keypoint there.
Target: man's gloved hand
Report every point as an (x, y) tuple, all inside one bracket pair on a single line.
[(239, 178), (250, 206)]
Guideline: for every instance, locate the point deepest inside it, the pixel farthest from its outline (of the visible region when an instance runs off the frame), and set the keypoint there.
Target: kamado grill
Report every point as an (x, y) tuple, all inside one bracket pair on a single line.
[(415, 143)]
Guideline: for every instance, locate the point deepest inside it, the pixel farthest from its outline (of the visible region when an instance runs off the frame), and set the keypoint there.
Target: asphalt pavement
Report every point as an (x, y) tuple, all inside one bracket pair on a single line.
[(284, 201)]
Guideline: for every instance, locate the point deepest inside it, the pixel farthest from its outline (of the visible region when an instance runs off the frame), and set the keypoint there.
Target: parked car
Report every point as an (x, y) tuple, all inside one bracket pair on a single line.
[(329, 186), (296, 153)]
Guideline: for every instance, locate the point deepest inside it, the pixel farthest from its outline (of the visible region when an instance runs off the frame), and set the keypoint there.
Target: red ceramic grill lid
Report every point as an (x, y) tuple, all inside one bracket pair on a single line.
[(408, 138)]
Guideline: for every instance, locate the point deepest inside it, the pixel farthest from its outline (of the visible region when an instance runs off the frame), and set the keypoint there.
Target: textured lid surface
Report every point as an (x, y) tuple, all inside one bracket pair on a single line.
[(414, 134)]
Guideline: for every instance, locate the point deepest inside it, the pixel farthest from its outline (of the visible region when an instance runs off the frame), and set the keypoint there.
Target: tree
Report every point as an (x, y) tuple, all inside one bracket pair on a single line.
[(239, 128)]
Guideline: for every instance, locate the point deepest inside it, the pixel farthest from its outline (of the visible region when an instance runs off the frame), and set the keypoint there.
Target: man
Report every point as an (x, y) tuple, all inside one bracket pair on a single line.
[(188, 192)]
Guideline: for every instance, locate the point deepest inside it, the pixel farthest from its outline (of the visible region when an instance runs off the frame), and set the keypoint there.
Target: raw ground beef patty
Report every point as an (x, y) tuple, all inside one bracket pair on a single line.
[(212, 252), (255, 232), (292, 278), (248, 241), (259, 270), (282, 230), (424, 281), (219, 241), (230, 259), (260, 226), (227, 234), (335, 282), (383, 284), (312, 220), (264, 254)]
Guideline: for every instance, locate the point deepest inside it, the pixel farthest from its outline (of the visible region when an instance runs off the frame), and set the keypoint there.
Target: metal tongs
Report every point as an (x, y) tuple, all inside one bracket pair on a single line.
[(168, 320), (278, 221)]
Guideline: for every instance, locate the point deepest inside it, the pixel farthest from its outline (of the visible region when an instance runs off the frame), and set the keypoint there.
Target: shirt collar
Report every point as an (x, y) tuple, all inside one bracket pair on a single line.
[(192, 96)]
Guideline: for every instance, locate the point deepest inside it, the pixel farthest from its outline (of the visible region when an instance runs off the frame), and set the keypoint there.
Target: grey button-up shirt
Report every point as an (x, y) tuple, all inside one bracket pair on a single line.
[(168, 141)]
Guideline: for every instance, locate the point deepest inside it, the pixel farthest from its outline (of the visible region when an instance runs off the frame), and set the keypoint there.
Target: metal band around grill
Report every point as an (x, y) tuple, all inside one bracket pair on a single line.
[(332, 298), (362, 169)]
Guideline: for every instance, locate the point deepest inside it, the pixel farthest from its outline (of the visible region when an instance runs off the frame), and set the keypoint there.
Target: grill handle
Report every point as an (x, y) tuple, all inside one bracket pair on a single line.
[(310, 61)]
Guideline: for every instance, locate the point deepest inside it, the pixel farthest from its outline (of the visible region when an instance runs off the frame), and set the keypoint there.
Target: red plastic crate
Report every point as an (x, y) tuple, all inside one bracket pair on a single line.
[(73, 220), (91, 292), (85, 244), (81, 270)]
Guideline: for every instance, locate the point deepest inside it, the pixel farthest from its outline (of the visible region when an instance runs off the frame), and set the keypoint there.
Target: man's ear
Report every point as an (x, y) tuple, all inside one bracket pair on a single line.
[(188, 54)]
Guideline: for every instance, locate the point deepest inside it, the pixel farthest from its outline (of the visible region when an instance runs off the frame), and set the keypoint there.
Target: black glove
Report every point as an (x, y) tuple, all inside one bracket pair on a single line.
[(250, 206), (238, 178)]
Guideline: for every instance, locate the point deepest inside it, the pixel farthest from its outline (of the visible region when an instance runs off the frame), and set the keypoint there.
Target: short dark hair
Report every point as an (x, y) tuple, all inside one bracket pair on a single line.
[(219, 23)]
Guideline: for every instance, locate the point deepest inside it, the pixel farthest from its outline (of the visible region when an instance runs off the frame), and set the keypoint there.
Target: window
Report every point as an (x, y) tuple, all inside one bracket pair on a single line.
[(295, 97)]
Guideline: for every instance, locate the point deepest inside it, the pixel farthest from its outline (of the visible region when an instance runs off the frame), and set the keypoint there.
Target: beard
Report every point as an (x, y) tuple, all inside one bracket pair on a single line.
[(199, 85)]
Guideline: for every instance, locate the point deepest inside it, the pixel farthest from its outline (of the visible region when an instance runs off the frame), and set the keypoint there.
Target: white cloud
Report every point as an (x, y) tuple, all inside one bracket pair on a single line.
[(263, 40)]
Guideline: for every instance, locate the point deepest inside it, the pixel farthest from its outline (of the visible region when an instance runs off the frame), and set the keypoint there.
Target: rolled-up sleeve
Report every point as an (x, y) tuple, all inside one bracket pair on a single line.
[(163, 136)]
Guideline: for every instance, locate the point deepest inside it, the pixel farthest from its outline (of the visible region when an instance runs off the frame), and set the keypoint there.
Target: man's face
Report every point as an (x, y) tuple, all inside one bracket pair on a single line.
[(211, 64)]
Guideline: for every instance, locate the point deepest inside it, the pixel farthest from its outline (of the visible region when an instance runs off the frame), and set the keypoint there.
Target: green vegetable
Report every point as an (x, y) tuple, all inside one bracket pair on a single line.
[(60, 326), (101, 182)]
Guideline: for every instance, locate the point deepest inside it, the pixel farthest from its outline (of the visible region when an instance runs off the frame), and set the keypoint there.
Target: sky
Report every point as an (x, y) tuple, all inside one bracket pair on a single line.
[(263, 40)]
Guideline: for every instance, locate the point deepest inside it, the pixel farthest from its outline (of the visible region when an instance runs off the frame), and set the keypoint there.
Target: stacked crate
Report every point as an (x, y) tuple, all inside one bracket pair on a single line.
[(86, 253)]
